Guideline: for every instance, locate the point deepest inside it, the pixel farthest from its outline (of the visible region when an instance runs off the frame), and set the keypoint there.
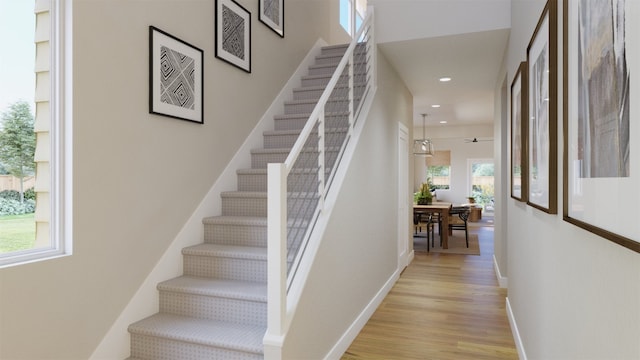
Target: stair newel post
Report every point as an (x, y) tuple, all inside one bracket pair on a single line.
[(321, 157), (276, 250)]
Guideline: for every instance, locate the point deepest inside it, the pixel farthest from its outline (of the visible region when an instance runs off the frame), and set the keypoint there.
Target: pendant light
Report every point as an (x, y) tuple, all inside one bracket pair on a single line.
[(424, 146)]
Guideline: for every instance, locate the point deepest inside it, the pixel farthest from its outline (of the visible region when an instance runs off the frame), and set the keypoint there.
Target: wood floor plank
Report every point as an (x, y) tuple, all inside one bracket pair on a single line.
[(444, 306)]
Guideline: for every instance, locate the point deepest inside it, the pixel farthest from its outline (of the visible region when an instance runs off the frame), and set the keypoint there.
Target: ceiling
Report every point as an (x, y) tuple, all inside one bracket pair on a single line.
[(472, 60)]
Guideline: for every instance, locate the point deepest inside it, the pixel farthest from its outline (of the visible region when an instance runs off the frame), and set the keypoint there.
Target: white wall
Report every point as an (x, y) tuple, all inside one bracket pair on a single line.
[(408, 20), (138, 177), (452, 138), (573, 295), (358, 254)]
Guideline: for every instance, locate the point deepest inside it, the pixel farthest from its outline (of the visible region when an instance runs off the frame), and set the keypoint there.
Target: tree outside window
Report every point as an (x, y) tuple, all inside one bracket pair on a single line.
[(18, 142)]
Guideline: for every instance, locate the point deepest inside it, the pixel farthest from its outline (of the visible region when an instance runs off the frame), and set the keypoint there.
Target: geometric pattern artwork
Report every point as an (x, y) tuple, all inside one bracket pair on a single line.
[(272, 10), (177, 82), (232, 33), (176, 77), (272, 15)]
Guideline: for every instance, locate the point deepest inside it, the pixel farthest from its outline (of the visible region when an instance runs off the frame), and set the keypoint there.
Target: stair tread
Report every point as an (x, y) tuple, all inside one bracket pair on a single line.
[(244, 194), (308, 115), (322, 87), (263, 171), (233, 289), (202, 331), (298, 131), (288, 150), (228, 251), (236, 220), (310, 101)]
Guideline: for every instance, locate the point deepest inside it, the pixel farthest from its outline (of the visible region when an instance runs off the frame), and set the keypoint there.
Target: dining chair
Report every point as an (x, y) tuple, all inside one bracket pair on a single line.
[(458, 218)]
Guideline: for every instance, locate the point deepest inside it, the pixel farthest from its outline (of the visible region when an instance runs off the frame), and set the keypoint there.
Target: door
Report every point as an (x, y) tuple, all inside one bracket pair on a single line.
[(403, 197)]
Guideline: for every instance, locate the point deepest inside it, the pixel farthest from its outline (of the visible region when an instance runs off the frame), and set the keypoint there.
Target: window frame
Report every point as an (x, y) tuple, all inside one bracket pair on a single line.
[(60, 135)]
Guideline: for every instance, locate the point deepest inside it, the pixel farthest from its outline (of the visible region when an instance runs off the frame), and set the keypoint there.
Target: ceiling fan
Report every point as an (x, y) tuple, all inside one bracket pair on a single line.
[(475, 140)]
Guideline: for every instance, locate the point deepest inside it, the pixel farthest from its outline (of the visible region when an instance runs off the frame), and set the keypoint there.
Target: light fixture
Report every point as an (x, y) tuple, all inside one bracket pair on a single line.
[(443, 121), (435, 106), (445, 79), (424, 146)]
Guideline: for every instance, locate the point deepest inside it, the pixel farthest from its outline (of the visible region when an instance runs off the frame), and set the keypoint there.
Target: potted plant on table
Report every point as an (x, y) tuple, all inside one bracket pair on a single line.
[(423, 196)]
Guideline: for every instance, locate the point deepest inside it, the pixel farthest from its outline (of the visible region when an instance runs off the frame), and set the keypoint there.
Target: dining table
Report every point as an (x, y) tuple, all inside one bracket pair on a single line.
[(441, 208)]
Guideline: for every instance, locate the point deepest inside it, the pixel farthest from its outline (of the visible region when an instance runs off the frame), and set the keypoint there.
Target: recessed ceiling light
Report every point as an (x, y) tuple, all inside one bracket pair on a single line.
[(443, 121), (445, 79), (435, 106)]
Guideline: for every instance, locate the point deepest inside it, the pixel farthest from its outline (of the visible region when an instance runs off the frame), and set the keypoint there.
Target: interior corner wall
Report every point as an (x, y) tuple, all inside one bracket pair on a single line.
[(502, 171), (573, 295), (358, 253), (137, 176)]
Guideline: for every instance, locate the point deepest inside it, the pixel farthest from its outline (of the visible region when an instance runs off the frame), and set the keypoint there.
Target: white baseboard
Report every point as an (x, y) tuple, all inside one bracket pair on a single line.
[(502, 280), (352, 332), (522, 355)]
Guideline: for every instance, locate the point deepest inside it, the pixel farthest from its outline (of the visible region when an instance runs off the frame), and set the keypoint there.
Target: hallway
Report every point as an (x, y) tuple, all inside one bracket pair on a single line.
[(444, 306)]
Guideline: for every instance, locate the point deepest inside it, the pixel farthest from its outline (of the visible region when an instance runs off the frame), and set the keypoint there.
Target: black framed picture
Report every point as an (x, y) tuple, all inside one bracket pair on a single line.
[(600, 164), (175, 77), (272, 15), (519, 101), (542, 59), (233, 34)]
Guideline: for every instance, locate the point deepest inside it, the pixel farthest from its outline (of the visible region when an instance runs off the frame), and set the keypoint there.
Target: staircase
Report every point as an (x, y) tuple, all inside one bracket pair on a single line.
[(218, 308)]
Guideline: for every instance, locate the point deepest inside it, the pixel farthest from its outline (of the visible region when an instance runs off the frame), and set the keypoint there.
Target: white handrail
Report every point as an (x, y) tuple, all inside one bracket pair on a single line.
[(278, 221)]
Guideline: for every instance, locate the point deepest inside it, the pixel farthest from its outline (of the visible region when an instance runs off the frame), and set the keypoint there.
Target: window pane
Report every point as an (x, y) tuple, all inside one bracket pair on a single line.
[(17, 139), (345, 15), (440, 176)]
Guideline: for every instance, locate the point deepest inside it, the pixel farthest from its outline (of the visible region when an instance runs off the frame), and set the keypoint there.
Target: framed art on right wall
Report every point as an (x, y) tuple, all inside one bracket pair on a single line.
[(542, 60), (601, 167), (519, 109)]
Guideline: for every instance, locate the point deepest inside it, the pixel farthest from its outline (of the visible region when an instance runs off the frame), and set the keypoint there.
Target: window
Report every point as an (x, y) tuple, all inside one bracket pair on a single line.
[(352, 12), (439, 169), (50, 23)]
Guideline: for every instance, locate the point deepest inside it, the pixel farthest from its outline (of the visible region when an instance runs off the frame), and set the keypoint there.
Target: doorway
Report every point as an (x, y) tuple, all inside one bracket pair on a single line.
[(482, 184), (403, 197)]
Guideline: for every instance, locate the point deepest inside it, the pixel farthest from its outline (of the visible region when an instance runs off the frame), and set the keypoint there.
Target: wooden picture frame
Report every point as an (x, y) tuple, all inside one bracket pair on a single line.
[(233, 34), (601, 178), (272, 15), (176, 77), (519, 131), (542, 138)]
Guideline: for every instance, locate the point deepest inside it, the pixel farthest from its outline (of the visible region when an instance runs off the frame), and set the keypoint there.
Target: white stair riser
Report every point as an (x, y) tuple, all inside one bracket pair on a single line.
[(154, 348), (298, 123), (214, 308), (233, 206), (243, 235), (225, 268), (258, 182), (257, 206), (308, 107), (307, 93), (279, 141), (317, 80), (260, 160), (323, 70)]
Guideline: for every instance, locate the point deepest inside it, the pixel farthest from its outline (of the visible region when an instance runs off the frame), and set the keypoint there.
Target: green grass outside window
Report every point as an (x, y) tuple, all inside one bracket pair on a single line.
[(17, 232)]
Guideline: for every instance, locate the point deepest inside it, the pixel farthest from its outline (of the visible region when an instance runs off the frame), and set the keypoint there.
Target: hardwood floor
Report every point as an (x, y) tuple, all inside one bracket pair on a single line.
[(444, 306)]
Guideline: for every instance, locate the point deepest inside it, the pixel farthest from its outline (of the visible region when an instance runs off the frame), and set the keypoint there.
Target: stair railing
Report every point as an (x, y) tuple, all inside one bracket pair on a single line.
[(297, 188)]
